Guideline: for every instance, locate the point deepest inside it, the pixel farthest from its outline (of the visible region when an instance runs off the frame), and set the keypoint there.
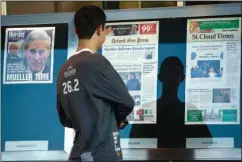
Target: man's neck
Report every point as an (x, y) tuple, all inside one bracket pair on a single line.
[(169, 91), (84, 43)]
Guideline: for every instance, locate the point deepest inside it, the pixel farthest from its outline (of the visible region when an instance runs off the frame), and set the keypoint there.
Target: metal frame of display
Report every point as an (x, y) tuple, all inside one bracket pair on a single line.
[(134, 14), (127, 14), (110, 5)]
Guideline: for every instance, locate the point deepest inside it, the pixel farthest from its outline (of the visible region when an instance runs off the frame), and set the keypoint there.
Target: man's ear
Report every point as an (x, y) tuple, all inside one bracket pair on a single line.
[(99, 30), (48, 52)]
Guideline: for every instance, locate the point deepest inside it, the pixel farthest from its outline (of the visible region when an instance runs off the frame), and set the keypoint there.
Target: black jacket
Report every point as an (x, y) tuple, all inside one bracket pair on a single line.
[(93, 100)]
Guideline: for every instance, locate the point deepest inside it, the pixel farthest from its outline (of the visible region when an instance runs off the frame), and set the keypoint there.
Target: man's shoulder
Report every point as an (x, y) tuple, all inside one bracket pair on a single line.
[(84, 61), (99, 60), (97, 57)]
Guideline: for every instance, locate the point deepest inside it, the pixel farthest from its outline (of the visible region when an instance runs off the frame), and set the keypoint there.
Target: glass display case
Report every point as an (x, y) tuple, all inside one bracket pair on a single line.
[(194, 112)]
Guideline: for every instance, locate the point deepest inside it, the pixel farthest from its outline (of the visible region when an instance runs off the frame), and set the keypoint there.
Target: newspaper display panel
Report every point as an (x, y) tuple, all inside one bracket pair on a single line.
[(132, 48), (29, 55), (213, 71)]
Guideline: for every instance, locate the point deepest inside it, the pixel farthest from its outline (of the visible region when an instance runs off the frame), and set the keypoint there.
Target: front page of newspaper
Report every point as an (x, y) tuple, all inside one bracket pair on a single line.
[(29, 55), (132, 48), (213, 71)]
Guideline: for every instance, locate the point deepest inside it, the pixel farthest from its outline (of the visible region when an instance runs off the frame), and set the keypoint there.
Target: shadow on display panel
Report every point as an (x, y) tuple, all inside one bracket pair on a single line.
[(171, 128), (28, 116)]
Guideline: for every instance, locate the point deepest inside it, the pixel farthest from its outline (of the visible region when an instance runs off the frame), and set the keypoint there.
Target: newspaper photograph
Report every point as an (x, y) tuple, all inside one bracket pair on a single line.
[(132, 48), (213, 69), (29, 55)]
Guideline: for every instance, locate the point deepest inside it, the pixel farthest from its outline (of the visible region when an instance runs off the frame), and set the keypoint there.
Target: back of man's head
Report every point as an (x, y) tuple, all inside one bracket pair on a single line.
[(87, 19)]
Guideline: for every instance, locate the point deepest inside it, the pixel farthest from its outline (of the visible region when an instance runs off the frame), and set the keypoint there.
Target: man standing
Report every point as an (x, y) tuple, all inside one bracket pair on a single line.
[(91, 96)]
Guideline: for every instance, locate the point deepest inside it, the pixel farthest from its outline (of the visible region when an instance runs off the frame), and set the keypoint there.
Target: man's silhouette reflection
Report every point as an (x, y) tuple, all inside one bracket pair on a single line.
[(170, 129)]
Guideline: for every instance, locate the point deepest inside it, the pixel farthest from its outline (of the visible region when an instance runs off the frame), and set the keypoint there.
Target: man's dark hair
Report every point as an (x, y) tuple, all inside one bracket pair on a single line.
[(87, 19)]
